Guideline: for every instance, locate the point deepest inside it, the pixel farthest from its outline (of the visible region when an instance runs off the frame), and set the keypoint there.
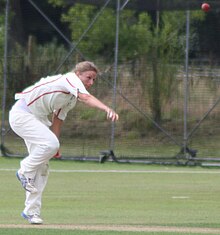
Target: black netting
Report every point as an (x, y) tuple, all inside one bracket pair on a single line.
[(168, 102)]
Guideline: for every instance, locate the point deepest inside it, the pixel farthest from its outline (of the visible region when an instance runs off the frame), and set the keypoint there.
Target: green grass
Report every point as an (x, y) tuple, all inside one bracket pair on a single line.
[(124, 147), (116, 194), (77, 232)]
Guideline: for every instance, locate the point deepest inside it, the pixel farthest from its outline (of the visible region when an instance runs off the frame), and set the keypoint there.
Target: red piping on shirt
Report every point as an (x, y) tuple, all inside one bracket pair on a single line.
[(58, 112), (70, 83), (39, 86), (47, 93)]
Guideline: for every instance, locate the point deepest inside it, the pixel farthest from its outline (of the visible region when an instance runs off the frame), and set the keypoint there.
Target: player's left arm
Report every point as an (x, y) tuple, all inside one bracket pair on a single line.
[(92, 101), (56, 125), (56, 129)]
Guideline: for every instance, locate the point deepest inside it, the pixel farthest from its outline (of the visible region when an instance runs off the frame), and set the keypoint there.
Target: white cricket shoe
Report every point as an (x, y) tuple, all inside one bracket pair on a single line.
[(27, 183), (32, 219)]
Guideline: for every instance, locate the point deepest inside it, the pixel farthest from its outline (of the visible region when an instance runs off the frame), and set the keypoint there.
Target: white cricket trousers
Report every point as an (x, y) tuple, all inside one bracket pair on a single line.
[(33, 201), (42, 144)]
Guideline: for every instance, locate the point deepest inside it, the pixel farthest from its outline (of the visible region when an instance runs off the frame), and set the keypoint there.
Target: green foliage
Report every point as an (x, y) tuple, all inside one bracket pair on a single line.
[(167, 47), (47, 57), (158, 44), (32, 64), (57, 3), (100, 37), (135, 35), (100, 40)]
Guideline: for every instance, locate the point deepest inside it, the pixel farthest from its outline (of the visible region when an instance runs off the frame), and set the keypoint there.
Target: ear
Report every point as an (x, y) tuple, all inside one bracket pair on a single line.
[(77, 73)]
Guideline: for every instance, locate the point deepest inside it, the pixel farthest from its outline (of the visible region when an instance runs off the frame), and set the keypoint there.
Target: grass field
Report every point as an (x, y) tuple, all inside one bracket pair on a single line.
[(90, 198)]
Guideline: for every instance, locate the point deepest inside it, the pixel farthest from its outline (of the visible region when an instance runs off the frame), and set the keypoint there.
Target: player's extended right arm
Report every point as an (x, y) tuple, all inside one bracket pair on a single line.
[(92, 101)]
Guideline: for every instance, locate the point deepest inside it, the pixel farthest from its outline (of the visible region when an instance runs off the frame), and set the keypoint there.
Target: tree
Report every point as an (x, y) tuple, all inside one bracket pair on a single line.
[(100, 39), (157, 44), (167, 48)]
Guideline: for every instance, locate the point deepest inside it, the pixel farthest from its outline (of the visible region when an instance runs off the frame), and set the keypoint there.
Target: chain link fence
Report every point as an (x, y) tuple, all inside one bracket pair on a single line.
[(168, 104)]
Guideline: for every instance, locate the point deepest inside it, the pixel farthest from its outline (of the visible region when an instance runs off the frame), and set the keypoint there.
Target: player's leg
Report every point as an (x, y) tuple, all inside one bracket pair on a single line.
[(43, 142), (32, 210), (43, 146)]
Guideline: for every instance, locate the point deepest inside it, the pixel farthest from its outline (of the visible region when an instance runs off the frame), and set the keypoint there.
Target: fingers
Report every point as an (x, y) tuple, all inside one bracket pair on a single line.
[(57, 155), (112, 115)]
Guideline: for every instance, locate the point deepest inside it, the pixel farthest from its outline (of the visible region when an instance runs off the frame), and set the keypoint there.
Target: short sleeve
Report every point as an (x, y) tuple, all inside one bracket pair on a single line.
[(75, 85)]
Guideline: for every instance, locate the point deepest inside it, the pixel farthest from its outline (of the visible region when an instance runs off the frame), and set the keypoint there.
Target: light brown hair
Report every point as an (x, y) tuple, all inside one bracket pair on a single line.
[(85, 66)]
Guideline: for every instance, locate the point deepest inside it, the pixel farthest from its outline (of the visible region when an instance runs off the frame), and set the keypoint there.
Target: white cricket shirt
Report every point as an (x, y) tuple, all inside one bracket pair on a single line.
[(56, 94)]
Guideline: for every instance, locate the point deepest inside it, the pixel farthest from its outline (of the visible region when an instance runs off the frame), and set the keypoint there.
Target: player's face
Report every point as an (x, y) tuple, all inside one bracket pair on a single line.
[(87, 78)]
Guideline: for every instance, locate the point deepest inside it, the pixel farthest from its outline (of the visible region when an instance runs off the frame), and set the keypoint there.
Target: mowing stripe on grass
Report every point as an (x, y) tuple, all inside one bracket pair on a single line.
[(119, 228), (127, 171)]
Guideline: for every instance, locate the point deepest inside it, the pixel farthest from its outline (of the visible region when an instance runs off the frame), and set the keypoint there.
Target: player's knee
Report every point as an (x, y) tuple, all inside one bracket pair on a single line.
[(54, 146)]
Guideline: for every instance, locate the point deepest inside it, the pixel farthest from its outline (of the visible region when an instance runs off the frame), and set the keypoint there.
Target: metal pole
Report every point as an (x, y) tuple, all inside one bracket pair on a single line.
[(186, 80), (5, 63), (115, 72)]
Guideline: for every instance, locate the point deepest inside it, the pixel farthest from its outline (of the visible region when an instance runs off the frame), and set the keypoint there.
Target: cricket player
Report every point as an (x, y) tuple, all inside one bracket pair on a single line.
[(28, 118)]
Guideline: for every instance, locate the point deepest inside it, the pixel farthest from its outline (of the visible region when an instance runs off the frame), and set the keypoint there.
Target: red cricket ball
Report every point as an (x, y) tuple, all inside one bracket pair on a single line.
[(205, 7)]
